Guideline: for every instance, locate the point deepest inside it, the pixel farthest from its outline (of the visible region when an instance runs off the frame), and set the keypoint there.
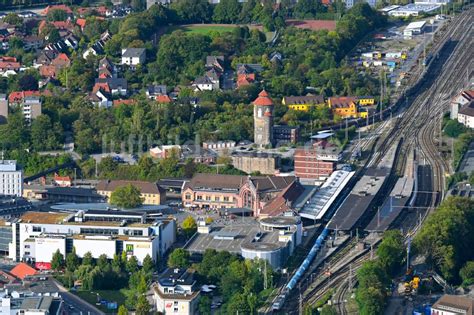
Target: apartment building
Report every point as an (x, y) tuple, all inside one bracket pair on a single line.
[(11, 178)]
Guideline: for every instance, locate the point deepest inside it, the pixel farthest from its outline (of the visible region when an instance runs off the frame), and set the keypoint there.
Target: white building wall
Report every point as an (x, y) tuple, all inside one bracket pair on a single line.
[(96, 246), (140, 249), (11, 179), (46, 247)]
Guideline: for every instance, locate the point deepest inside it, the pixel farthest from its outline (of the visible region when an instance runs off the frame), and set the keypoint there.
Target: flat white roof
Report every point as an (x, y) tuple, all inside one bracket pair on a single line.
[(415, 25), (319, 203), (389, 8), (414, 7)]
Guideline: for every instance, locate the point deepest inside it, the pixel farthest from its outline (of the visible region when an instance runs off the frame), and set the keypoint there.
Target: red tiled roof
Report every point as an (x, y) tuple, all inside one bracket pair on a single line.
[(81, 23), (7, 65), (263, 99), (62, 178), (163, 99), (343, 101), (61, 60), (7, 59), (48, 71), (19, 95), (125, 102), (23, 270), (62, 7), (244, 79)]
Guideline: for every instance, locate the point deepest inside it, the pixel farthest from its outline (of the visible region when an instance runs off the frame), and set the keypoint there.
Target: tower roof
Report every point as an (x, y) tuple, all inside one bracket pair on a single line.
[(263, 99)]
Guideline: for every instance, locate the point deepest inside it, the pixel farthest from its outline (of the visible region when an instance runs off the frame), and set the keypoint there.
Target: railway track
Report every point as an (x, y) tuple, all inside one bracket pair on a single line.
[(417, 127)]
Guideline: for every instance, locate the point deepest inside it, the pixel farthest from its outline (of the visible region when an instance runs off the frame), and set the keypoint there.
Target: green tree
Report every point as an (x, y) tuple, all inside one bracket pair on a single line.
[(72, 261), (238, 304), (57, 262), (467, 273), (87, 259), (128, 196), (189, 226), (13, 19), (56, 15), (226, 11), (142, 307), (453, 129), (148, 264), (391, 251), (179, 258), (45, 135), (132, 264), (204, 305), (122, 310), (102, 262)]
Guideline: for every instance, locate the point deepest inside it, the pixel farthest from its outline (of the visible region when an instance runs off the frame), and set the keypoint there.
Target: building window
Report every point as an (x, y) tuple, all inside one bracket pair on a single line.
[(36, 228), (27, 246), (27, 253), (208, 198), (188, 197), (217, 199), (226, 199)]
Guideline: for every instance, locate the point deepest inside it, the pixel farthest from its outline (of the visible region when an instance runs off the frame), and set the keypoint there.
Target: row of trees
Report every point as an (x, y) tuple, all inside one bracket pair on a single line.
[(120, 273), (243, 284)]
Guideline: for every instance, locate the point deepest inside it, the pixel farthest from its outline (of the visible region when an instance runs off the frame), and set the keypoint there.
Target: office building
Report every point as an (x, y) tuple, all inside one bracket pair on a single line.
[(11, 178), (36, 236)]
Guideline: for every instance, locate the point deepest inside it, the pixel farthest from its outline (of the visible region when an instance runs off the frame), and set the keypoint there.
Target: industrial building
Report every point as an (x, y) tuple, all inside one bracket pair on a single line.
[(315, 162), (413, 9), (273, 239), (11, 176), (414, 28), (36, 236)]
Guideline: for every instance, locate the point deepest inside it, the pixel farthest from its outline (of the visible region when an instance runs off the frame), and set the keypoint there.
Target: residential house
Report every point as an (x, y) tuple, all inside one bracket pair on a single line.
[(176, 292), (345, 107), (107, 69), (64, 44), (249, 68), (100, 98), (466, 115), (32, 42), (3, 108), (463, 98), (244, 79), (215, 62), (128, 102), (198, 154), (165, 151), (203, 83), (163, 99), (45, 57), (133, 56), (150, 3), (61, 7), (215, 76), (114, 86), (453, 305), (153, 91), (67, 26), (52, 70), (9, 67), (62, 181), (151, 193), (98, 47), (303, 103)]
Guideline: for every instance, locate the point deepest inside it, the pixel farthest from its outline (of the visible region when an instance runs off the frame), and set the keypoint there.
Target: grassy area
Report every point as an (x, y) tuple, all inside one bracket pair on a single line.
[(109, 295), (204, 29)]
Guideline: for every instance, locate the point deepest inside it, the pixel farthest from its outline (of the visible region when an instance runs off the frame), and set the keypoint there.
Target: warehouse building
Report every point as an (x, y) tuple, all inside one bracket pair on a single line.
[(36, 236)]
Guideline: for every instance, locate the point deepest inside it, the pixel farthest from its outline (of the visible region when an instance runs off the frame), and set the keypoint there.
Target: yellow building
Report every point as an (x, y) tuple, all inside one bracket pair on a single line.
[(366, 100), (303, 103), (151, 193), (344, 107)]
